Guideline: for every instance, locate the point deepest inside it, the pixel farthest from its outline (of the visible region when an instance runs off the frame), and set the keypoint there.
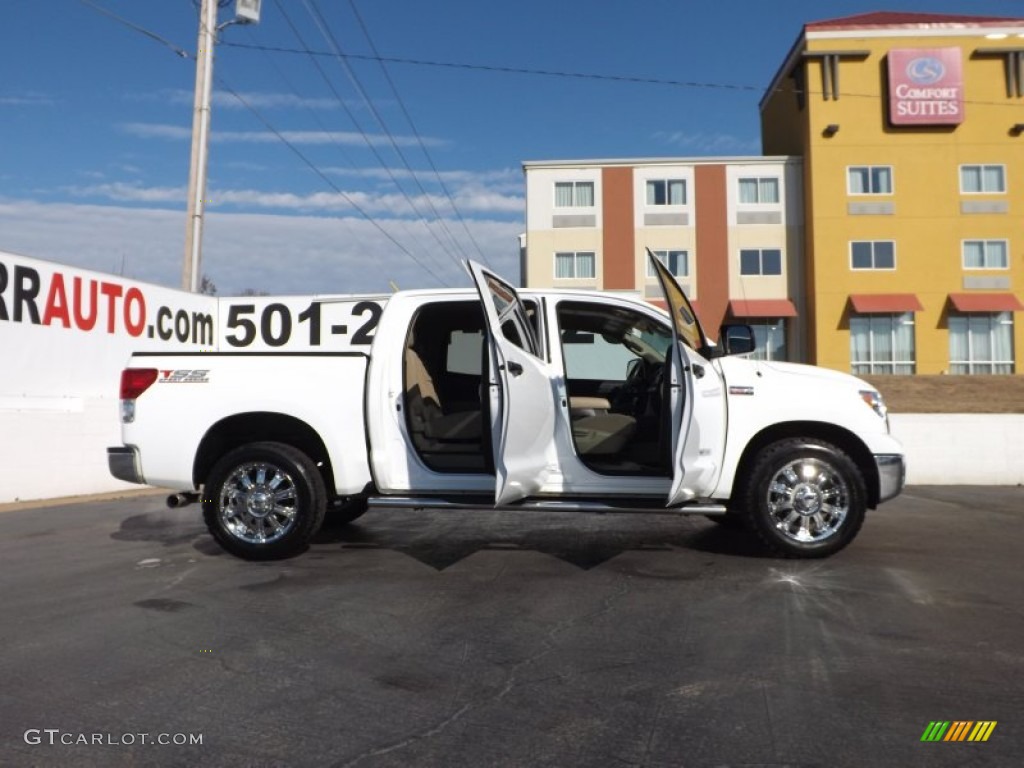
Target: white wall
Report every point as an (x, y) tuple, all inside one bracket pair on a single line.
[(53, 453), (967, 449), (65, 334)]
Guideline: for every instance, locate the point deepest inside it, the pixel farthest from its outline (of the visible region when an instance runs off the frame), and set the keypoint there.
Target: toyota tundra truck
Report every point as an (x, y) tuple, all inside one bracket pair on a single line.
[(546, 400)]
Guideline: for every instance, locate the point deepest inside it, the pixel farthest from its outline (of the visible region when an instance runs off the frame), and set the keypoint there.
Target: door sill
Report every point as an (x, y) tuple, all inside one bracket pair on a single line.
[(631, 505)]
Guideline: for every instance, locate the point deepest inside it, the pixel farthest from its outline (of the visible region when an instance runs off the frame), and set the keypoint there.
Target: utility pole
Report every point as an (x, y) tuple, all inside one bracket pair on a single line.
[(246, 12), (192, 270)]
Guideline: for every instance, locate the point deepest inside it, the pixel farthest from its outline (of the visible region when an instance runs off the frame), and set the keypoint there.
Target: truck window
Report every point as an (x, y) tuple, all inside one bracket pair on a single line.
[(614, 364), (464, 355)]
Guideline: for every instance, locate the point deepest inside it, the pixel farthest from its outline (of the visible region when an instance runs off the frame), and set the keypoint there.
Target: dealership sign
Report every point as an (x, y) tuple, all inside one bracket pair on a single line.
[(926, 86)]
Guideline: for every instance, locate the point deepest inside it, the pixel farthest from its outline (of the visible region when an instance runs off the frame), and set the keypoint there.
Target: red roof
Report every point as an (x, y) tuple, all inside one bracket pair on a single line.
[(762, 308), (985, 302), (885, 303), (911, 20)]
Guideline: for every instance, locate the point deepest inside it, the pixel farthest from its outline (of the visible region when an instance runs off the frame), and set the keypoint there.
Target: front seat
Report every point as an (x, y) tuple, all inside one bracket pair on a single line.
[(602, 434)]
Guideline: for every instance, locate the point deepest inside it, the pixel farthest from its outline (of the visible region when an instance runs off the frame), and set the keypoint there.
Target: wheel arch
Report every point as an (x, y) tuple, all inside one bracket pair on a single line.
[(838, 436), (261, 426)]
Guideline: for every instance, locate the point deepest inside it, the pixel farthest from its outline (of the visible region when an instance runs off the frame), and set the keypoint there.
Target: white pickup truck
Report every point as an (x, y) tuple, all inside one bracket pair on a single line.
[(554, 400)]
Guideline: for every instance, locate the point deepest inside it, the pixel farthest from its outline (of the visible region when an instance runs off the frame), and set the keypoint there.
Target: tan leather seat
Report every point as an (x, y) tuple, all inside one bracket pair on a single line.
[(427, 419), (602, 434)]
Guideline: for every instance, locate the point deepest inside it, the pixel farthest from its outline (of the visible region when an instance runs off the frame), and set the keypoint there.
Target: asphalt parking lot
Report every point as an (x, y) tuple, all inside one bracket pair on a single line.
[(476, 639)]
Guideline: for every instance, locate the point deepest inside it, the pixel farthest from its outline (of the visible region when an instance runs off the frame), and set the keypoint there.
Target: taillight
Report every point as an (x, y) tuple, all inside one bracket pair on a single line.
[(134, 381)]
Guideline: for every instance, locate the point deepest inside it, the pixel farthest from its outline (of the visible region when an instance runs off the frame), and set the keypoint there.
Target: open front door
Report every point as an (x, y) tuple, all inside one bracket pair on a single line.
[(522, 402), (696, 399)]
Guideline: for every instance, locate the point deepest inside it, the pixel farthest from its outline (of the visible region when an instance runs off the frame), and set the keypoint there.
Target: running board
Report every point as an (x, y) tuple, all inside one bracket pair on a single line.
[(541, 505)]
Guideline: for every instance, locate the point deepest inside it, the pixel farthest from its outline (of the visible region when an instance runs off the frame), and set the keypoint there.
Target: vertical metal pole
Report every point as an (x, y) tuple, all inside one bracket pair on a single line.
[(192, 269)]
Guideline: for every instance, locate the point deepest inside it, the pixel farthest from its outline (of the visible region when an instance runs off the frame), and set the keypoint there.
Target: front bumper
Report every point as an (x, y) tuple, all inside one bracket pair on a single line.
[(123, 461), (892, 475)]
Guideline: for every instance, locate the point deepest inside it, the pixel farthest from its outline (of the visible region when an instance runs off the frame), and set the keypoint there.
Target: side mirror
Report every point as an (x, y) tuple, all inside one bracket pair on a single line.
[(736, 339)]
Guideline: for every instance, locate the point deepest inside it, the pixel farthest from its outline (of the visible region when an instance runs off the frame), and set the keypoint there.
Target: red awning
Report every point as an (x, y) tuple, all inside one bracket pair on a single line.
[(985, 302), (762, 308), (885, 303)]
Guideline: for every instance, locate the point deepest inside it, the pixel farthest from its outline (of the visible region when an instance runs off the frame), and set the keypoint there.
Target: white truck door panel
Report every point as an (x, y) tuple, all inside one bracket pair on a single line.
[(698, 426), (522, 402), (696, 399)]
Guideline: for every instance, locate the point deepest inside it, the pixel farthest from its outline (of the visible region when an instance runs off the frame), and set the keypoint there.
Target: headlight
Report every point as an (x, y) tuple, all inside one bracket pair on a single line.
[(875, 401)]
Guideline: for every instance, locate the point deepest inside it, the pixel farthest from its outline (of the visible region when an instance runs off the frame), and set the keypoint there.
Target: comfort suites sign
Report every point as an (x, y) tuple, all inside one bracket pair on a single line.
[(926, 86)]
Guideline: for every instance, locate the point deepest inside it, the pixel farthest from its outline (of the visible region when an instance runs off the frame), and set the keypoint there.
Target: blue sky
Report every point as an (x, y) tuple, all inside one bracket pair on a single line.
[(96, 118)]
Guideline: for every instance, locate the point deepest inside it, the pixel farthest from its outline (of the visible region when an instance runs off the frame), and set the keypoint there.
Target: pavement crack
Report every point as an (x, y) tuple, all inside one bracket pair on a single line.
[(510, 683), (768, 717)]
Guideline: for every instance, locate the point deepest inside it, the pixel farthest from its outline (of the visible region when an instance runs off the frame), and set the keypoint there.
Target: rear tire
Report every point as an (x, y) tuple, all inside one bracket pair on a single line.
[(343, 511), (731, 521), (805, 498), (264, 501)]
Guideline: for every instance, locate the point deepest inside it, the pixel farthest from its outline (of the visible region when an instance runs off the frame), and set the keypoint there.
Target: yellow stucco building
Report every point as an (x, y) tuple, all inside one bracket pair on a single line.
[(911, 131)]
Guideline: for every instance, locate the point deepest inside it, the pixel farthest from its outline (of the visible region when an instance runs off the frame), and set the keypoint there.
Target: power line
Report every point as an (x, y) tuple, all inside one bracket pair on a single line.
[(369, 144), (220, 81), (633, 79), (513, 70), (312, 166), (328, 34), (419, 139), (141, 30), (356, 235)]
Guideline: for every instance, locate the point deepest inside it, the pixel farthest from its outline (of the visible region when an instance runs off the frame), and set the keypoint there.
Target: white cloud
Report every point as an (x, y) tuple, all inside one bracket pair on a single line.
[(279, 254), (715, 143), (27, 100), (503, 177), (259, 100), (468, 201), (125, 192), (346, 138)]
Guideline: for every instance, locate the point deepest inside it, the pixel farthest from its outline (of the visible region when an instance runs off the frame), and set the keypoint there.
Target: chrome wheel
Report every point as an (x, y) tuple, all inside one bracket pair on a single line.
[(808, 500), (258, 503)]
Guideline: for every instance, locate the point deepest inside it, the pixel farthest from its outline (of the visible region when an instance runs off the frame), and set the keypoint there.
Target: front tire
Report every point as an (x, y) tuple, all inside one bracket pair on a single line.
[(264, 501), (805, 499)]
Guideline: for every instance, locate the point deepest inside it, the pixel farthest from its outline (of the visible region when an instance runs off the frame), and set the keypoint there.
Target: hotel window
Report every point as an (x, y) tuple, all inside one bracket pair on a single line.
[(574, 194), (575, 265), (759, 190), (760, 261), (872, 254), (666, 192), (981, 343), (678, 262), (882, 343), (869, 180), (769, 338), (982, 179), (985, 254)]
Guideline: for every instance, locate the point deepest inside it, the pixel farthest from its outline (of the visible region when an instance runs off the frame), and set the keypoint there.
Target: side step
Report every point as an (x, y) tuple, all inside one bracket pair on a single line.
[(542, 505)]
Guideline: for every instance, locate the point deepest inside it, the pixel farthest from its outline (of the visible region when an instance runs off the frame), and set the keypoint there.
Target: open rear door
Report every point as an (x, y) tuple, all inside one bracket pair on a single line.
[(522, 402), (696, 399)]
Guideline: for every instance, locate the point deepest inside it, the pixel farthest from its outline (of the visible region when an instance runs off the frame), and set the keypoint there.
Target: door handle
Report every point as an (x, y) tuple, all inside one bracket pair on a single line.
[(698, 371), (514, 368)]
